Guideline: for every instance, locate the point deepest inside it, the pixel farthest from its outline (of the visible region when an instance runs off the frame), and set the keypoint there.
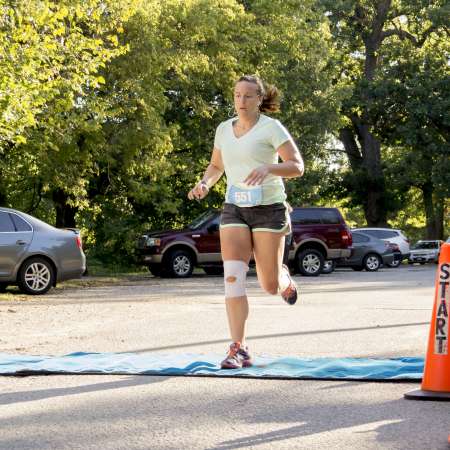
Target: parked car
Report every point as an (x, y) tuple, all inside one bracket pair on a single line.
[(317, 234), (398, 257), (390, 235), (35, 255), (425, 251), (368, 253)]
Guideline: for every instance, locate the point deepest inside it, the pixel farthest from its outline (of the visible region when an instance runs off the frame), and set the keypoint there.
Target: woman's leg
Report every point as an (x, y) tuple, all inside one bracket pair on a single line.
[(236, 245), (268, 249)]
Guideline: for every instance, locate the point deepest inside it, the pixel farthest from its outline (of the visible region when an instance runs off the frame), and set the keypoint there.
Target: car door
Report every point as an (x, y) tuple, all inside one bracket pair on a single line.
[(15, 237), (331, 227), (208, 244), (360, 243)]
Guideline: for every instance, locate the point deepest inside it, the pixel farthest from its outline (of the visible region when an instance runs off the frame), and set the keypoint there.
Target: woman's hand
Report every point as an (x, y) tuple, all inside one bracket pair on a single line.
[(199, 191), (256, 176)]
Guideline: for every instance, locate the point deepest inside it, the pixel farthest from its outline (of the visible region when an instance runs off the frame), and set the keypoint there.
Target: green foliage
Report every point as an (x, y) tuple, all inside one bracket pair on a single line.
[(108, 109), (389, 56)]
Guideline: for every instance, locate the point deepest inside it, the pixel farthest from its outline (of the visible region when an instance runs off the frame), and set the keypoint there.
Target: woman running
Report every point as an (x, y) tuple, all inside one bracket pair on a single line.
[(255, 216)]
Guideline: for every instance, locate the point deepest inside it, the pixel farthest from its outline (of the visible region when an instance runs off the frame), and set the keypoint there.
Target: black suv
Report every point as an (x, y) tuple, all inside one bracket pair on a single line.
[(318, 234)]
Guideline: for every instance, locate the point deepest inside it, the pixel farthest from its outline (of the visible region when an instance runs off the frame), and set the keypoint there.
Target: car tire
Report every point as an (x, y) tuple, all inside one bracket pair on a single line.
[(372, 262), (328, 266), (395, 264), (155, 269), (36, 276), (179, 264), (310, 262), (3, 287), (212, 270)]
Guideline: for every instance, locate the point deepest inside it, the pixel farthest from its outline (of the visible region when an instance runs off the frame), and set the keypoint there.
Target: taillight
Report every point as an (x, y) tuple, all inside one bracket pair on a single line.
[(78, 241), (347, 237)]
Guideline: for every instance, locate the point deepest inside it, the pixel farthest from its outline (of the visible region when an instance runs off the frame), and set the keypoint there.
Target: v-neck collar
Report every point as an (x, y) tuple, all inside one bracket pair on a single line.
[(248, 131)]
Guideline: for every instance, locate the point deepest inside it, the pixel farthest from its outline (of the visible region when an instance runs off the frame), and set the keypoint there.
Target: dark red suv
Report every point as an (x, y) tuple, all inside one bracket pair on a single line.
[(318, 234)]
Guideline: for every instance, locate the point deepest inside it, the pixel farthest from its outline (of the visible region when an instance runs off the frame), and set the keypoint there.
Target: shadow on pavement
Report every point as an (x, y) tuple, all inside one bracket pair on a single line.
[(278, 335), (31, 396)]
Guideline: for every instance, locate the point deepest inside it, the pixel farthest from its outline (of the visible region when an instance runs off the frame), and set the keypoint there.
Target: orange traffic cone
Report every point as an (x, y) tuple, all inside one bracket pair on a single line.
[(436, 377)]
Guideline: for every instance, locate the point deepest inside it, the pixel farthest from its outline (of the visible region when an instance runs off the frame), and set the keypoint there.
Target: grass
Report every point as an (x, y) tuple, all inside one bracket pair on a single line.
[(97, 268), (98, 275)]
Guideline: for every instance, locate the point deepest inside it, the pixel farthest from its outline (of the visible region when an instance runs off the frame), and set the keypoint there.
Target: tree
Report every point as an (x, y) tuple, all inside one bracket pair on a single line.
[(412, 109), (51, 54), (365, 33)]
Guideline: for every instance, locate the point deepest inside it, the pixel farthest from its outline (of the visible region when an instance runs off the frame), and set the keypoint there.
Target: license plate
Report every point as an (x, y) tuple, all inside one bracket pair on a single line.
[(245, 196)]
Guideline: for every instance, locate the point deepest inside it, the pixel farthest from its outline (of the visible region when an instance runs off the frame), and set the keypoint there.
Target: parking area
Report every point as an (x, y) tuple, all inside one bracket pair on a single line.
[(346, 313)]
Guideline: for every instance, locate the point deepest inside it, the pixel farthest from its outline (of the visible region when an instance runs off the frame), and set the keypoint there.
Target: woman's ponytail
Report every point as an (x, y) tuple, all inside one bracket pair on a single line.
[(269, 93)]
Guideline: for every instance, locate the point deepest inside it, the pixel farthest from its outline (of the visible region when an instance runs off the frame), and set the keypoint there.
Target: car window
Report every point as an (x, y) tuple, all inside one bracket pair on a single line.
[(359, 238), (425, 245), (381, 234), (306, 216), (330, 216), (201, 220), (19, 223), (386, 234), (6, 222)]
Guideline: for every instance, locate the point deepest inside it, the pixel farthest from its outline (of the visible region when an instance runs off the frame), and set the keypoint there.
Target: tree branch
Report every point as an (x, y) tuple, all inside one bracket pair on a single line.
[(402, 34)]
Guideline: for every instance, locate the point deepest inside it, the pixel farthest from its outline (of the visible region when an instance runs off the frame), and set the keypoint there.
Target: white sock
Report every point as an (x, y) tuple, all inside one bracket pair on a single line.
[(284, 281)]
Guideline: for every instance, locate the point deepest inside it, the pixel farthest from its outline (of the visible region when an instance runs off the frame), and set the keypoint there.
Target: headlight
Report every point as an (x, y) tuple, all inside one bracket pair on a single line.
[(153, 242)]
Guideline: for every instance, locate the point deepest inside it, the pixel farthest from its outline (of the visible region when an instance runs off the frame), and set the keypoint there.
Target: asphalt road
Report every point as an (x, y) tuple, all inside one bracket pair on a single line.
[(382, 314)]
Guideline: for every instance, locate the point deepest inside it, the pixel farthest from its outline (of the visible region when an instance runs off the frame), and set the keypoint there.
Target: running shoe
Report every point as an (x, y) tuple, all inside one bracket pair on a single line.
[(247, 360), (237, 357), (289, 295)]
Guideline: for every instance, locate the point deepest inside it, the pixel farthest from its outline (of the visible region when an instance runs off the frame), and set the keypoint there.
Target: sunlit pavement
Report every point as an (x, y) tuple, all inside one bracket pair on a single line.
[(347, 313)]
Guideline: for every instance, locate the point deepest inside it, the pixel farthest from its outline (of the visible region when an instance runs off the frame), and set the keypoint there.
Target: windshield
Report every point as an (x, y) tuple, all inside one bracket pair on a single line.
[(201, 220), (425, 245)]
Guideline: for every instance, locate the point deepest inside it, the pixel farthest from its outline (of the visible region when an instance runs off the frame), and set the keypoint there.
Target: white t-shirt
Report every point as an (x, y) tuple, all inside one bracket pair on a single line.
[(256, 147)]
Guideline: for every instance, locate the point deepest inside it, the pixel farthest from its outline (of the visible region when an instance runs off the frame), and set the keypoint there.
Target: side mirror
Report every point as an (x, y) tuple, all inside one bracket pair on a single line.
[(213, 228)]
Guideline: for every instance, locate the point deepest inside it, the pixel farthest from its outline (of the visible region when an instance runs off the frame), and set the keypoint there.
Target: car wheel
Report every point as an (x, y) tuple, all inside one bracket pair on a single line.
[(155, 269), (328, 266), (180, 264), (357, 268), (211, 270), (372, 262), (310, 262), (394, 264), (3, 287), (36, 276)]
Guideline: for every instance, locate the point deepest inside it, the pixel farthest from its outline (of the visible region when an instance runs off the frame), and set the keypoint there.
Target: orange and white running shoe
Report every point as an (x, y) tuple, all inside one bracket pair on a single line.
[(237, 357), (289, 294)]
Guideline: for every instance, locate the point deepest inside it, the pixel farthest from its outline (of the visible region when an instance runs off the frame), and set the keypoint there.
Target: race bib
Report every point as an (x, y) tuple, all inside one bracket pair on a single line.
[(245, 196)]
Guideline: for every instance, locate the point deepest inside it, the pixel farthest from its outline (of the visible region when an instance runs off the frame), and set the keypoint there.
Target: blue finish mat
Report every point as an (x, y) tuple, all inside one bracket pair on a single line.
[(395, 369)]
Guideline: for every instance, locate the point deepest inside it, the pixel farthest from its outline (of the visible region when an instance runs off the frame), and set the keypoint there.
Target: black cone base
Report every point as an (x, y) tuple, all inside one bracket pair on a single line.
[(419, 394)]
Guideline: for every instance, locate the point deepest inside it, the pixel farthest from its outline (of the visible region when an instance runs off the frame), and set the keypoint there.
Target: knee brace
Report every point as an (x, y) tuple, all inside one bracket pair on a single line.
[(235, 273)]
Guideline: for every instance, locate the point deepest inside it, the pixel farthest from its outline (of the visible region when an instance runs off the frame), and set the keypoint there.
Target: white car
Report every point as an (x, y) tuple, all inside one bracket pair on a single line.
[(425, 251), (390, 235)]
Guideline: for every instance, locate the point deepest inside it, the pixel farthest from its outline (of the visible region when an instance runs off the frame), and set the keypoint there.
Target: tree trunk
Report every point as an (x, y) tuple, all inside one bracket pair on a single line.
[(65, 214), (365, 160), (3, 198), (434, 212)]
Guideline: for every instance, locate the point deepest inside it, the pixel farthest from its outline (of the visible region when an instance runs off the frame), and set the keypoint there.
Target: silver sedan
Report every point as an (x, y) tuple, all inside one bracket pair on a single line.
[(35, 255)]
